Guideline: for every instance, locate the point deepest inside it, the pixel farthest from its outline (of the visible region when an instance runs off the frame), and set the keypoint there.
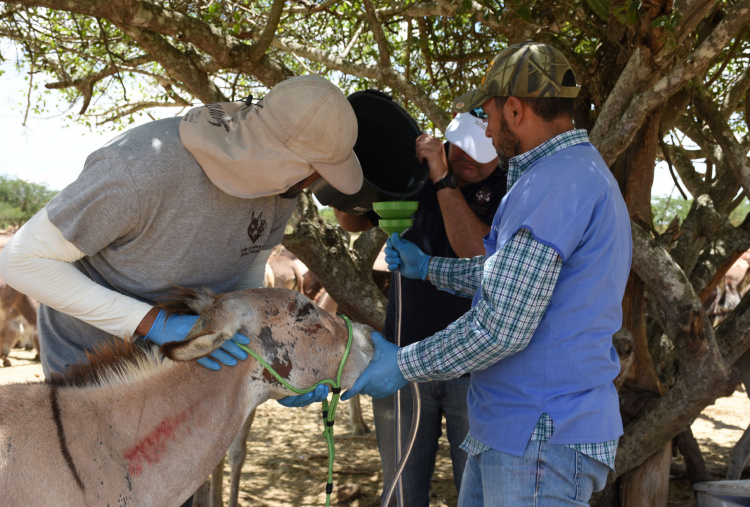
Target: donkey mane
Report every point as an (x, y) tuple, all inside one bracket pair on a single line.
[(120, 361), (115, 362), (188, 300)]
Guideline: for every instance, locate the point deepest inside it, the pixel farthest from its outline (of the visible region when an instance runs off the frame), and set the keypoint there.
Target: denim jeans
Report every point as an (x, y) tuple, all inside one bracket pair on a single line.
[(439, 399), (546, 475)]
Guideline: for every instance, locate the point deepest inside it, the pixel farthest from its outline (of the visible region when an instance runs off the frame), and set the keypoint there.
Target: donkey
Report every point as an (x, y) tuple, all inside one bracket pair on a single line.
[(283, 270), (725, 297), (135, 428), (14, 306)]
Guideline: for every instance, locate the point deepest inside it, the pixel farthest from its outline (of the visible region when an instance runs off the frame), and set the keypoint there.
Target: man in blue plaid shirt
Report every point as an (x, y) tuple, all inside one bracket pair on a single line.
[(543, 411)]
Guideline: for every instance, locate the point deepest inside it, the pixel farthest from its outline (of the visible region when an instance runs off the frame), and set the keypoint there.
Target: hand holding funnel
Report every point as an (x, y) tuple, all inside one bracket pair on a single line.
[(400, 254)]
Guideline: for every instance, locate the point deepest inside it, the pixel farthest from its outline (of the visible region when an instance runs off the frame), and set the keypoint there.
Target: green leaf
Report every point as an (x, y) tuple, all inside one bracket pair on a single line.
[(600, 8), (524, 13), (660, 22)]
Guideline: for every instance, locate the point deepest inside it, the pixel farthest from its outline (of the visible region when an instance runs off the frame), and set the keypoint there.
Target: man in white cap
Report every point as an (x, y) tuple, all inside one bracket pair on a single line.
[(196, 201), (454, 213)]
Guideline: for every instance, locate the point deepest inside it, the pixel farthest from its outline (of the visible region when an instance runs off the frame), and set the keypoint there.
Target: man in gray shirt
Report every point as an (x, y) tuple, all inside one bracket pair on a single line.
[(196, 201)]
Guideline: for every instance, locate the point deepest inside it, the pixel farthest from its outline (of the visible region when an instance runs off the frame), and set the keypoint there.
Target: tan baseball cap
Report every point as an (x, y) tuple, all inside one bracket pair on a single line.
[(528, 69), (304, 124)]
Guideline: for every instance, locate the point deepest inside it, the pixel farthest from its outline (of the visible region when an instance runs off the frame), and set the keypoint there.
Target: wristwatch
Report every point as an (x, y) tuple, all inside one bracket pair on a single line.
[(449, 181)]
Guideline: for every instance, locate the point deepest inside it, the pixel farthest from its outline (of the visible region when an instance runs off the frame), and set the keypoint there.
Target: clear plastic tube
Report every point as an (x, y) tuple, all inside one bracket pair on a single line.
[(395, 483)]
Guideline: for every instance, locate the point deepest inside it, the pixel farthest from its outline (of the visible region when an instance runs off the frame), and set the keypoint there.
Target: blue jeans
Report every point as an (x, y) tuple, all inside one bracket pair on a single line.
[(546, 475), (439, 399)]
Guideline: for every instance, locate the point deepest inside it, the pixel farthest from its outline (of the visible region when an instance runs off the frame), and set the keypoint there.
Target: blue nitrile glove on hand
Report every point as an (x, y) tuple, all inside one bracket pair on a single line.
[(176, 327), (402, 253), (382, 377), (319, 394)]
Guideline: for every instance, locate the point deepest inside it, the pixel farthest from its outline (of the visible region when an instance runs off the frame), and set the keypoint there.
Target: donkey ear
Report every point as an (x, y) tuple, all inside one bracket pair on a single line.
[(194, 346)]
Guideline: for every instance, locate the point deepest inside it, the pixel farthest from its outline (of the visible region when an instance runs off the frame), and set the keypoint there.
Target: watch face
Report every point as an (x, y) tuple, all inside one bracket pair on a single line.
[(450, 181)]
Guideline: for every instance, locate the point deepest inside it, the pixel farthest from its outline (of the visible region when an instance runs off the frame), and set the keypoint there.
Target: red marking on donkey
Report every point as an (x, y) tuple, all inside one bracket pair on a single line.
[(150, 449)]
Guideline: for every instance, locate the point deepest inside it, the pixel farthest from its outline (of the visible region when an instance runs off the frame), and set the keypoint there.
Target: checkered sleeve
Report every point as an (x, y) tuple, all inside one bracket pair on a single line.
[(517, 283), (462, 276)]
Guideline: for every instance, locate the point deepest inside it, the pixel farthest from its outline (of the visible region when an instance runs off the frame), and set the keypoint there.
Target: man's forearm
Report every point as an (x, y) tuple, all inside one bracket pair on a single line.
[(465, 230), (463, 276), (517, 286), (38, 262)]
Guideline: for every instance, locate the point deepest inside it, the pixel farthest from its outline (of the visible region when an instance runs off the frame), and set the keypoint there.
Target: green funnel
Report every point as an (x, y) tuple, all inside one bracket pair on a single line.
[(395, 215)]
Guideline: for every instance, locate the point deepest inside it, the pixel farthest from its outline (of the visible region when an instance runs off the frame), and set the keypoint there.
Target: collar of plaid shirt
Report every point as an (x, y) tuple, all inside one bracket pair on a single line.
[(519, 164)]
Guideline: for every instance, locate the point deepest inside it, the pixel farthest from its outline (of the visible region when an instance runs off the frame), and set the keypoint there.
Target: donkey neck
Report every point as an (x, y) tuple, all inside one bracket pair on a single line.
[(162, 433)]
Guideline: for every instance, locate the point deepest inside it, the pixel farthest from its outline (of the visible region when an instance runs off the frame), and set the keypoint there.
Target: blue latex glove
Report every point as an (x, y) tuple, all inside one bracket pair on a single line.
[(319, 394), (382, 377), (176, 327), (402, 253)]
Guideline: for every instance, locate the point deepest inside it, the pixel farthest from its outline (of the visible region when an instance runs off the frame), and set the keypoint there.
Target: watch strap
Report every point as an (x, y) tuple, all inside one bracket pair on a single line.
[(449, 181)]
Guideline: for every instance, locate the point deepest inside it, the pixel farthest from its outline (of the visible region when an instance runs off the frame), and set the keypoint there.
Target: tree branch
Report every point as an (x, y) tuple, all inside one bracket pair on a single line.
[(616, 132), (176, 63), (140, 106), (227, 50), (734, 153), (377, 32), (703, 375), (261, 45), (439, 117), (735, 94), (681, 159), (719, 254)]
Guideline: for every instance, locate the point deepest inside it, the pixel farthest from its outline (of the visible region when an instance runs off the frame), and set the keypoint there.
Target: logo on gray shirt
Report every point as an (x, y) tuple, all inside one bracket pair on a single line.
[(257, 226)]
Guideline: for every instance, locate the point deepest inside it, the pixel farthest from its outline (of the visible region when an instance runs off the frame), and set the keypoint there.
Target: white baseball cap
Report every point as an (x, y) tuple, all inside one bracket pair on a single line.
[(304, 124), (467, 132)]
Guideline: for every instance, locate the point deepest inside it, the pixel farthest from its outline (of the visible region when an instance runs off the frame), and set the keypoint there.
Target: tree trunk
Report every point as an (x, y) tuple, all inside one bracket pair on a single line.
[(694, 462), (344, 271), (634, 170), (649, 483)]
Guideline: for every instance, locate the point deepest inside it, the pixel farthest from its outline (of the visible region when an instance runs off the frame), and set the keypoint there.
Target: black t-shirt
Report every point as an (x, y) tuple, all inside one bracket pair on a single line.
[(426, 309)]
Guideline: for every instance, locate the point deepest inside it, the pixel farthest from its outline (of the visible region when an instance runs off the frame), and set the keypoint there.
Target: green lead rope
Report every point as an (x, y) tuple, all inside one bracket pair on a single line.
[(329, 411)]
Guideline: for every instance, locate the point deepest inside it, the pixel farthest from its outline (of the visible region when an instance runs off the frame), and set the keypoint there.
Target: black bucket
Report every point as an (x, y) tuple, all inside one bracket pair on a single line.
[(386, 151)]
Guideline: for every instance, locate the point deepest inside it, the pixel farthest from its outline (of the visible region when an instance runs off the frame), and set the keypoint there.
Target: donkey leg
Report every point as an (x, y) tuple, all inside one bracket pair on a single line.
[(200, 497), (741, 450), (739, 456), (359, 426), (217, 484), (9, 335), (237, 455)]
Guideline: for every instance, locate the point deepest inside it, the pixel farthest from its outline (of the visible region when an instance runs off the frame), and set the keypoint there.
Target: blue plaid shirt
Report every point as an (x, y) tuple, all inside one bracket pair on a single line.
[(516, 285)]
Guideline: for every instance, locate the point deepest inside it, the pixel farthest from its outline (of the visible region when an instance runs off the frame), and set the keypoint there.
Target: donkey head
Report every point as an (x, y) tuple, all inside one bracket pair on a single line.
[(298, 339)]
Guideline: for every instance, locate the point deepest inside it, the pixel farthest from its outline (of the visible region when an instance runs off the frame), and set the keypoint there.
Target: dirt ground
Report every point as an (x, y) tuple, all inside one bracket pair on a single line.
[(287, 456)]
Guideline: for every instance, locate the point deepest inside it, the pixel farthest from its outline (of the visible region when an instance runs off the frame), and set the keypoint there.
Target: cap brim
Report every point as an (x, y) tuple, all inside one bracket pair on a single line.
[(468, 133), (471, 100), (345, 176)]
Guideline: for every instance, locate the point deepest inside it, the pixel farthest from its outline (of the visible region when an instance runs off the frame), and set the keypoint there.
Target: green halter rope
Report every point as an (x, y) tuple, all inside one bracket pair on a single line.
[(329, 412)]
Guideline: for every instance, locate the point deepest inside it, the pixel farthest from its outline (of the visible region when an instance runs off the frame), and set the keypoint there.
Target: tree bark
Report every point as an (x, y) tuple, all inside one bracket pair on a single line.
[(345, 272)]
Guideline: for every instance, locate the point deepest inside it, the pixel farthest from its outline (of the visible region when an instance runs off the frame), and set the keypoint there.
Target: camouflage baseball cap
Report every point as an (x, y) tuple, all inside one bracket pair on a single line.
[(528, 69)]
